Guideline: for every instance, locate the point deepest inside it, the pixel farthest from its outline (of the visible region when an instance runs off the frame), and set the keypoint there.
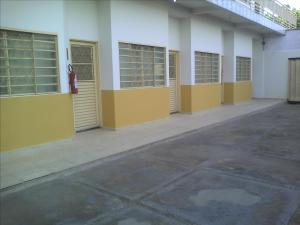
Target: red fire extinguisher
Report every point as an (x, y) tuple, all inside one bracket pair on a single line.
[(72, 80)]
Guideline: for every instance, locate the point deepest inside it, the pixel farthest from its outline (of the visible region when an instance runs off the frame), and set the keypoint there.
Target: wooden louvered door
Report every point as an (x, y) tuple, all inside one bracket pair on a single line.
[(173, 82), (85, 103)]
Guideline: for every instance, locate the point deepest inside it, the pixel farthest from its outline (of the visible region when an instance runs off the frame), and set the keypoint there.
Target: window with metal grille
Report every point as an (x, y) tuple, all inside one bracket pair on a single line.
[(243, 68), (82, 62), (172, 65), (28, 63), (141, 65), (206, 67)]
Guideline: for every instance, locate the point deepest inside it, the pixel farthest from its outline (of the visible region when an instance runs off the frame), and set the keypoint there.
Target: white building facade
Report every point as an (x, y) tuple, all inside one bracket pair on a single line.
[(135, 60)]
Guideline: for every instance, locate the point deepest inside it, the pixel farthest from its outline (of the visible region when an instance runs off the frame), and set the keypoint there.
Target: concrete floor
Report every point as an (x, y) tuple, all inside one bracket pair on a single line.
[(22, 165), (242, 172)]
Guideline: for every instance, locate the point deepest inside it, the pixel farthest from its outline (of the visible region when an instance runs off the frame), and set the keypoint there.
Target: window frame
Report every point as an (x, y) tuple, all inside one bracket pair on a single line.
[(142, 65), (198, 54), (32, 33), (238, 68)]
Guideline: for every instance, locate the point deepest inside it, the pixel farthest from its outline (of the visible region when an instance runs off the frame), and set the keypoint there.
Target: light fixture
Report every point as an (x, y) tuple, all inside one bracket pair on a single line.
[(174, 0)]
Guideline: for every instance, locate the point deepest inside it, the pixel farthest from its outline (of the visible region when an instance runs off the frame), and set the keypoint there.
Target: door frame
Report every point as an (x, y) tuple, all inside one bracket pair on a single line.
[(178, 88), (96, 75), (222, 79)]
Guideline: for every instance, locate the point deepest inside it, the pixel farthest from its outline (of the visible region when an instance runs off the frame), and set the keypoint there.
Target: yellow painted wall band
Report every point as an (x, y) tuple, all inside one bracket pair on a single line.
[(200, 96), (131, 106), (31, 120), (237, 92)]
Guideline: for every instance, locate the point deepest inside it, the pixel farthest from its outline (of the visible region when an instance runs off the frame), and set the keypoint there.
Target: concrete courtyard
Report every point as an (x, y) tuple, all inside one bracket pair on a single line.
[(243, 172)]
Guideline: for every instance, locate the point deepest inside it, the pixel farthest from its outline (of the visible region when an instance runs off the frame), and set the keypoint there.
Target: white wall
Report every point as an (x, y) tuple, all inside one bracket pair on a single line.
[(174, 34), (229, 72), (105, 44), (206, 35), (47, 17), (243, 47), (258, 69), (67, 19), (243, 44), (82, 20), (148, 23), (276, 73), (235, 43), (187, 75), (276, 54), (291, 41), (141, 22)]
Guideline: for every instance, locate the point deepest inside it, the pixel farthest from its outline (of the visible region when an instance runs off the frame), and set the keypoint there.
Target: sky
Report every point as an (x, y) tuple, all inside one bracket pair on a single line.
[(292, 3)]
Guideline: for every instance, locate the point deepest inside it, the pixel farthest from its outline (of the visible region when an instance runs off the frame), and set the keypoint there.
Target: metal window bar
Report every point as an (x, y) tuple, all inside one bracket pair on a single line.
[(141, 65), (29, 66), (206, 67), (243, 68), (33, 65), (7, 70)]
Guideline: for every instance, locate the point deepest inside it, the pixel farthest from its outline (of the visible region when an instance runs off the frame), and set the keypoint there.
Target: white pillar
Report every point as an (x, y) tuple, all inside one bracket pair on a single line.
[(107, 49), (258, 69), (187, 74), (229, 57)]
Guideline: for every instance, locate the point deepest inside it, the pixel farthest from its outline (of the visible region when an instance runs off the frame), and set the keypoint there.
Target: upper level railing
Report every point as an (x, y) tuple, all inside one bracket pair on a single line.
[(273, 10)]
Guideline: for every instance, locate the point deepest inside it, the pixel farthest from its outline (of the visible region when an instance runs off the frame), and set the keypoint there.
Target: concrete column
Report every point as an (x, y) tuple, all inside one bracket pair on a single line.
[(235, 44), (229, 63), (258, 69), (186, 59), (106, 48)]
